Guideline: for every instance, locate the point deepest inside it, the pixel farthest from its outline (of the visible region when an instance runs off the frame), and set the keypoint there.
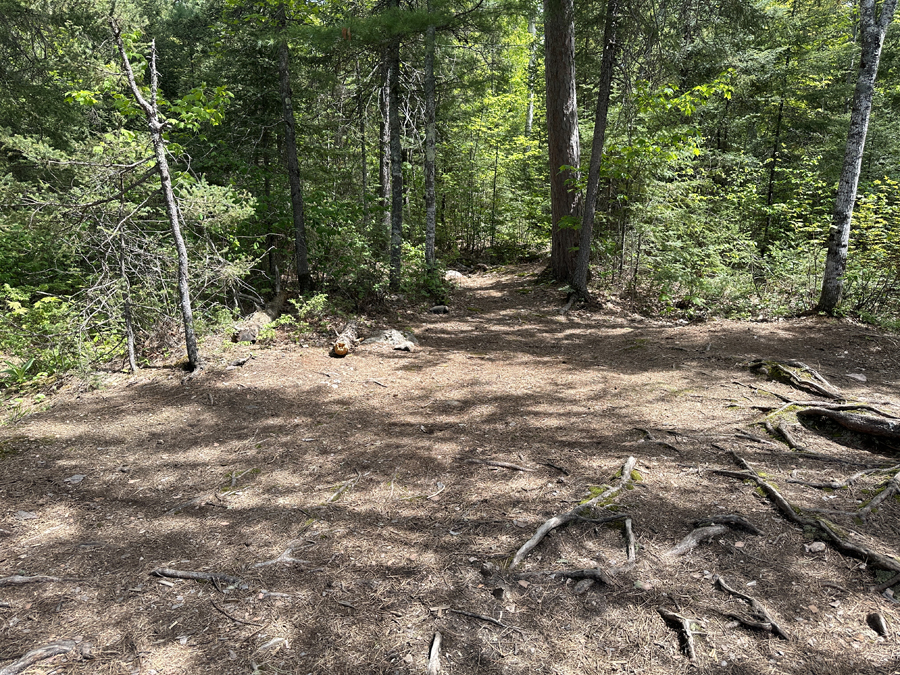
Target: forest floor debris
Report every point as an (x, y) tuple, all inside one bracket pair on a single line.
[(407, 544)]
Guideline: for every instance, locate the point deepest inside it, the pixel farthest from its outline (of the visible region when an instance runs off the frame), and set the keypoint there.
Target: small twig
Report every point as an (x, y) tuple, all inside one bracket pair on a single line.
[(434, 656), (380, 384), (561, 469), (284, 557), (346, 486), (488, 619), (197, 576), (502, 465), (684, 626), (234, 618)]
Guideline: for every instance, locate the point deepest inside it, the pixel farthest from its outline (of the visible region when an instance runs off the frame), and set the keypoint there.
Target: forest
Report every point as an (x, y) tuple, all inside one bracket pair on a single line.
[(467, 337), (348, 152)]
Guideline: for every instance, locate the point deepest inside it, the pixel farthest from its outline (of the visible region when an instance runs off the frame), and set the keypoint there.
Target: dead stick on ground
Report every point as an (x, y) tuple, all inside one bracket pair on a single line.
[(346, 486), (834, 485), (684, 625), (574, 514), (482, 617), (234, 618), (767, 623), (502, 465), (39, 654), (196, 576), (594, 573), (17, 580), (284, 557), (434, 657), (629, 538)]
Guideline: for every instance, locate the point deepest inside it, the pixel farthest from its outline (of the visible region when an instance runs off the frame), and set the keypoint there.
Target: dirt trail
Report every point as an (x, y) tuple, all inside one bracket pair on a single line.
[(356, 469)]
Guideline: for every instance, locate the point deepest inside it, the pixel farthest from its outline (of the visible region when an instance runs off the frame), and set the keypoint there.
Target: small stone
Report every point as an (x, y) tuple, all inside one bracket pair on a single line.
[(859, 377), (25, 515), (74, 480), (440, 309), (408, 658), (453, 275), (816, 547), (583, 586)]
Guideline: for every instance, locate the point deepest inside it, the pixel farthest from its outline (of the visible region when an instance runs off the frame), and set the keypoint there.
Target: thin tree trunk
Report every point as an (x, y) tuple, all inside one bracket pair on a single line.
[(384, 173), (430, 153), (293, 165), (529, 112), (872, 31), (580, 278), (159, 148), (126, 308), (562, 134), (364, 174), (396, 159)]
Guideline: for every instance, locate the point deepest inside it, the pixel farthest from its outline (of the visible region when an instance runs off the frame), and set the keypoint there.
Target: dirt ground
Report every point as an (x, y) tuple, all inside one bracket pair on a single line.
[(342, 495)]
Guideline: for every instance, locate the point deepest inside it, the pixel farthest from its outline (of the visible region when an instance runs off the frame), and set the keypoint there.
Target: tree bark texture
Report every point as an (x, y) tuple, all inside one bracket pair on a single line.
[(562, 134), (293, 165), (430, 153), (583, 258), (162, 165), (393, 66), (872, 29)]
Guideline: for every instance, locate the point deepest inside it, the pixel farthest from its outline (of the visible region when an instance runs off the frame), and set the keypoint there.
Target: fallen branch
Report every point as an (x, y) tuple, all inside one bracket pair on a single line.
[(650, 438), (695, 538), (17, 580), (629, 539), (434, 656), (574, 514), (39, 654), (862, 424), (346, 486), (766, 622), (686, 635), (251, 327), (197, 576), (502, 465)]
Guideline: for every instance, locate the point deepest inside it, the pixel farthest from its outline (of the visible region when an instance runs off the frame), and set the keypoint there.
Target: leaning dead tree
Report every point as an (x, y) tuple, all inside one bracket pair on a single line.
[(159, 147)]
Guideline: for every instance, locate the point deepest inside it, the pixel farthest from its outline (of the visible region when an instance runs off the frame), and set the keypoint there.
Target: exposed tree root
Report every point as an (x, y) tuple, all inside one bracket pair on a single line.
[(197, 576), (822, 404), (234, 618), (650, 438), (574, 514), (891, 488), (685, 634), (834, 485), (629, 540), (826, 529), (732, 520), (594, 573), (863, 424), (765, 621), (882, 587), (284, 557), (434, 656), (785, 433), (695, 538), (798, 374), (39, 654), (502, 465)]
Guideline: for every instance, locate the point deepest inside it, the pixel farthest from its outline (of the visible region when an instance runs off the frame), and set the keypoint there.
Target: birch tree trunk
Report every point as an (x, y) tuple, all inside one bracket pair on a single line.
[(562, 134), (430, 154), (872, 29), (384, 165), (580, 278), (396, 158), (162, 165), (290, 147)]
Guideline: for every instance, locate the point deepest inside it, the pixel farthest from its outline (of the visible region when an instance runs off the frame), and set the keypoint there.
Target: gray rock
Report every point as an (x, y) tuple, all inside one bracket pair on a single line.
[(440, 309)]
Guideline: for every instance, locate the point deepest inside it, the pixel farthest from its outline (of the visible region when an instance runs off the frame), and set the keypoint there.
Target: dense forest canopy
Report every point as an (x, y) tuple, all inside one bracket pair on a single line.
[(329, 147)]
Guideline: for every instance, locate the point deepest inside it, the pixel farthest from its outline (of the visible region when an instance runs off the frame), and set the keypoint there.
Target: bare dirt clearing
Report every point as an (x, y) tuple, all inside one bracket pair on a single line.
[(355, 501)]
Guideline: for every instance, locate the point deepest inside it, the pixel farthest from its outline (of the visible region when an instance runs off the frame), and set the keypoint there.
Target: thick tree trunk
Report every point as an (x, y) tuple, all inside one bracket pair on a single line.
[(580, 278), (293, 165), (162, 165), (430, 153), (396, 159), (562, 134), (872, 30)]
